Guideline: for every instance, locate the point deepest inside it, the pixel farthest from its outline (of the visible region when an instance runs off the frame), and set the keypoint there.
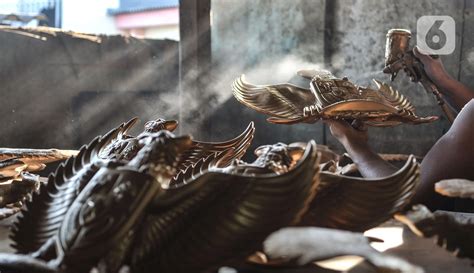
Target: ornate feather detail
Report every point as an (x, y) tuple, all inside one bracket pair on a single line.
[(42, 216), (160, 226), (220, 216), (234, 148), (357, 204), (395, 98), (281, 101), (382, 107), (196, 169)]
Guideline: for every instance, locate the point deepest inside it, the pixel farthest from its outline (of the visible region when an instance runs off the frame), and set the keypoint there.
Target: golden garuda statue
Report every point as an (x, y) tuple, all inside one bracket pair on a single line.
[(327, 97)]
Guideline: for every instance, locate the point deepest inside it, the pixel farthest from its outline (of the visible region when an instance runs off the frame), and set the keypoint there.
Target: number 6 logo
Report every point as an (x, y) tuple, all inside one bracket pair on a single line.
[(436, 35)]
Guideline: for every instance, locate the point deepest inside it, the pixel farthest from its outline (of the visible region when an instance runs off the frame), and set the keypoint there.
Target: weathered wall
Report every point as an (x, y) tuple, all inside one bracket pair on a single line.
[(59, 90), (466, 72), (268, 40)]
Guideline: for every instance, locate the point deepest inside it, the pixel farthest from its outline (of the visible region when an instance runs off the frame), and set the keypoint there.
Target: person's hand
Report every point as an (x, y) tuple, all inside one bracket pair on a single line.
[(354, 134), (433, 67)]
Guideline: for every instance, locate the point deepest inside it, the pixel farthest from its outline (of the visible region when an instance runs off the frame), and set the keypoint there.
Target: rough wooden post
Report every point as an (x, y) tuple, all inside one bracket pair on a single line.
[(194, 54)]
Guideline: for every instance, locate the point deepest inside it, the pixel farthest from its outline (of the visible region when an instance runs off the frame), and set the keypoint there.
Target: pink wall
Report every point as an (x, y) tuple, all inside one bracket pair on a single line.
[(146, 19)]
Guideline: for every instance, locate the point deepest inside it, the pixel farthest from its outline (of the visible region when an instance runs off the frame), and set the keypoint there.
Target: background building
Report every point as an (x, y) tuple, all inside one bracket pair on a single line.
[(157, 19), (148, 19), (89, 16), (30, 13)]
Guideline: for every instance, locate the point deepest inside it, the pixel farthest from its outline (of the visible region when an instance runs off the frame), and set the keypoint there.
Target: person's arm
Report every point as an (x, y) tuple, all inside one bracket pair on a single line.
[(355, 141), (451, 157), (455, 93)]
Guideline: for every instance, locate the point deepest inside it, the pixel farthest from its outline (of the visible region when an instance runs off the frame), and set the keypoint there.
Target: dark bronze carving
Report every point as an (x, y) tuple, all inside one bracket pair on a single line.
[(24, 263), (306, 245), (455, 232), (178, 205), (36, 224), (358, 204), (173, 233), (228, 151), (220, 215), (90, 200), (125, 147), (327, 97), (82, 200)]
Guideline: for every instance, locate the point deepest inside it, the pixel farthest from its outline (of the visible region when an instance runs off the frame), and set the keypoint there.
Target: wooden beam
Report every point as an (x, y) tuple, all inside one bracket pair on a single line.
[(194, 53)]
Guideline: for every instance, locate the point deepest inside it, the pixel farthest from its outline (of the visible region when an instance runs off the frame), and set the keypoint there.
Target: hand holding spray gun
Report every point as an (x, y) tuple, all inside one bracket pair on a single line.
[(399, 56)]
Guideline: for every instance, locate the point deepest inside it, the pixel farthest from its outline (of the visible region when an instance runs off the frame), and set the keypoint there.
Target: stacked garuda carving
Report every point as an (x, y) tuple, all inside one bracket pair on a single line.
[(178, 205), (17, 183)]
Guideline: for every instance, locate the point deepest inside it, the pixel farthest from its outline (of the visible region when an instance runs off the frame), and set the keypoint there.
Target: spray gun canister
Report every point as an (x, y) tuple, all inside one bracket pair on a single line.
[(399, 56), (397, 44)]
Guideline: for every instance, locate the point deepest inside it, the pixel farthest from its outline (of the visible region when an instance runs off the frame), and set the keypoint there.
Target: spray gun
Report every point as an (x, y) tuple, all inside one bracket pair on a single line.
[(399, 56)]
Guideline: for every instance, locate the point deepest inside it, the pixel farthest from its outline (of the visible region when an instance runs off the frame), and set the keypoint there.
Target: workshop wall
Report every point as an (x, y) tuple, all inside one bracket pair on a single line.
[(63, 89)]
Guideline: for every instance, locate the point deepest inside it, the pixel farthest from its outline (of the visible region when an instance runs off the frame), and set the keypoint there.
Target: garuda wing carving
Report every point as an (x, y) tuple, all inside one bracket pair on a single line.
[(285, 102), (357, 204), (220, 216), (42, 216), (233, 149), (125, 147), (327, 97)]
